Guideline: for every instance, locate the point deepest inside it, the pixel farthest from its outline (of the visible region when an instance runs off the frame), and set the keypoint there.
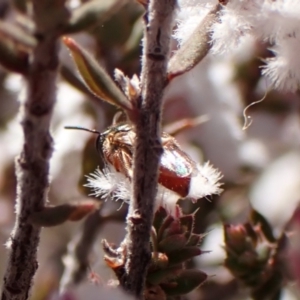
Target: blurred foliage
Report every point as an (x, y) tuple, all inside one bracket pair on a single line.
[(255, 257), (173, 243), (255, 248)]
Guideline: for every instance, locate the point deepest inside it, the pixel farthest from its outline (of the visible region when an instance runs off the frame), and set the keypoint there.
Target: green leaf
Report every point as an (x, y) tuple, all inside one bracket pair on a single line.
[(186, 224), (159, 276), (187, 281), (52, 216), (165, 224), (132, 45), (12, 58), (159, 217), (73, 79), (182, 255), (194, 240), (17, 35), (173, 228), (251, 233), (20, 5), (56, 215), (95, 77), (270, 289), (50, 15), (172, 243), (90, 13), (158, 261), (259, 219)]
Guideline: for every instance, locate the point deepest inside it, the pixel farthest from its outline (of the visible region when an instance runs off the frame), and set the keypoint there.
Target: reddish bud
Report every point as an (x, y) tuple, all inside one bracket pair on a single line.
[(237, 239)]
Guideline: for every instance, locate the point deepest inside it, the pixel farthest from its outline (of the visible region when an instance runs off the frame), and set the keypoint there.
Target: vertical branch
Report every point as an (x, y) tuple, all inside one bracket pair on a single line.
[(32, 165), (76, 261), (148, 148)]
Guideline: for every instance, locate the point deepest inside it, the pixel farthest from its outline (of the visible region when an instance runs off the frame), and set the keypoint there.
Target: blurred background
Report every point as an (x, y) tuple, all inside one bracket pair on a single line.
[(260, 164)]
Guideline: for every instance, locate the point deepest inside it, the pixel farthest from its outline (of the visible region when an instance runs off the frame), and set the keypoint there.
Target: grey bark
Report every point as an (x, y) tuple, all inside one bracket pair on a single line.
[(77, 259), (32, 165), (148, 148)]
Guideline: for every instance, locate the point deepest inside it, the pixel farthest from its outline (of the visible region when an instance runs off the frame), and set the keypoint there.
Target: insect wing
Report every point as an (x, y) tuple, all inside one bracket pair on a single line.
[(117, 144), (175, 170), (175, 163)]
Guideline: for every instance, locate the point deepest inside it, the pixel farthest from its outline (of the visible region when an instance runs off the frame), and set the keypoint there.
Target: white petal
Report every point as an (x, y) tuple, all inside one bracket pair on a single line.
[(284, 69), (205, 182), (167, 199), (109, 183)]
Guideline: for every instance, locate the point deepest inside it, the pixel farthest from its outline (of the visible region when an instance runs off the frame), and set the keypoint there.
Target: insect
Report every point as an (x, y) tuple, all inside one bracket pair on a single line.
[(177, 171)]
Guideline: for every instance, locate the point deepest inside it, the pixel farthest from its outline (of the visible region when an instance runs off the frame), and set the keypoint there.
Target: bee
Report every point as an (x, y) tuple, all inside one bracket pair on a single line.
[(177, 171)]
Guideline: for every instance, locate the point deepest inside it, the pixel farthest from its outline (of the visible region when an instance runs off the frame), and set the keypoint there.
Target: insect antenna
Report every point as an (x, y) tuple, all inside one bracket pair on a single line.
[(99, 140), (83, 128)]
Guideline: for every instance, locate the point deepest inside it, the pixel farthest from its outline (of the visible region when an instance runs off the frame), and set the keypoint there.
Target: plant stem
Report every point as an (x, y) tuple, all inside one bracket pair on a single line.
[(148, 148), (32, 165), (77, 258), (76, 262)]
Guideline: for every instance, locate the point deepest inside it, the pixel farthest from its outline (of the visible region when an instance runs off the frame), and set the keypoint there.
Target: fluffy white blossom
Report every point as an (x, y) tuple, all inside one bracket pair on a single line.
[(205, 182), (284, 68), (275, 22), (107, 183), (190, 15)]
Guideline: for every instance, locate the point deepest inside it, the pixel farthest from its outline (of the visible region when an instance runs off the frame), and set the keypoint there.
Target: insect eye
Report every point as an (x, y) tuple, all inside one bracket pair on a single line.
[(99, 144)]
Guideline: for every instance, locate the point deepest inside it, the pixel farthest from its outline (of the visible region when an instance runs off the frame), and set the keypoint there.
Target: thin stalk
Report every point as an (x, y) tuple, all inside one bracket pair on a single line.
[(148, 147), (32, 165)]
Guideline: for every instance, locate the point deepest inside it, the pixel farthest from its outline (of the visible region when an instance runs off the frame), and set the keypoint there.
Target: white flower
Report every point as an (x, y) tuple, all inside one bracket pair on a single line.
[(274, 21), (229, 32), (284, 68), (189, 16), (205, 182), (107, 183)]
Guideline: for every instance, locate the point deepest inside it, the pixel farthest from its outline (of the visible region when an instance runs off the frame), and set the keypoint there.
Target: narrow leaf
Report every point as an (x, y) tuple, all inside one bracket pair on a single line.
[(83, 209), (95, 77), (182, 255), (159, 217), (12, 58), (18, 35), (266, 228), (52, 216), (158, 261), (172, 243), (173, 228), (73, 79), (159, 276), (132, 45), (195, 48), (187, 223), (187, 281), (194, 240), (90, 13), (20, 5), (164, 225), (56, 215)]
